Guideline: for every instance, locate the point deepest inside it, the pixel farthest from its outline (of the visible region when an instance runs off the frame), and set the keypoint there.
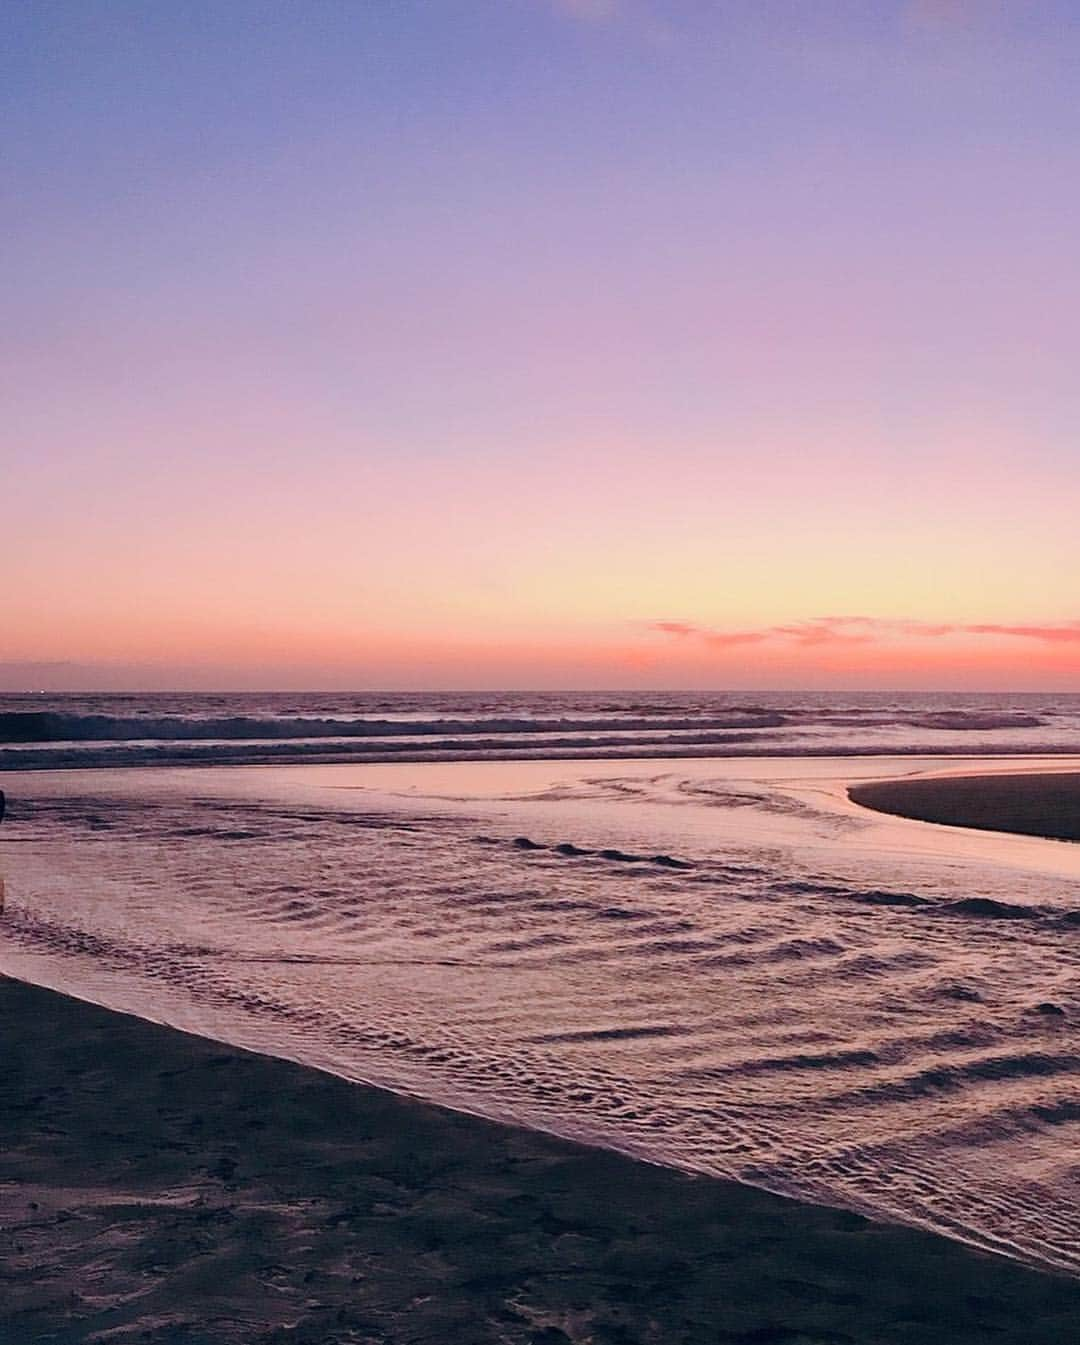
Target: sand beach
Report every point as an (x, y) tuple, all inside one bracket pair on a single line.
[(158, 1187), (540, 674)]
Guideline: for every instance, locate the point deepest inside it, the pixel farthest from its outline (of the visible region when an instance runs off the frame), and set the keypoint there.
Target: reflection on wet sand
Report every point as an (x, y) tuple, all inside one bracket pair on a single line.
[(729, 968)]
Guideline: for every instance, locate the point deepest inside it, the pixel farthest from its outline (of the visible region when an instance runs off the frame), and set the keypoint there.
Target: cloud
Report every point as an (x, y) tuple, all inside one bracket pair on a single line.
[(819, 631), (732, 637), (675, 627), (952, 23), (833, 630), (687, 630), (1067, 632), (591, 11), (938, 15), (825, 630)]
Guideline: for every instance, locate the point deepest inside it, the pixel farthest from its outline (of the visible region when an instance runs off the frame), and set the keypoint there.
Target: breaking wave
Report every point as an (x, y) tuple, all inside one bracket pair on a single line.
[(113, 730)]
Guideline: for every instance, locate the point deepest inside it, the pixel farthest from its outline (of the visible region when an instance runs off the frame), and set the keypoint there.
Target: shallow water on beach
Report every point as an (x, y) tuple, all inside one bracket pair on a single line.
[(721, 965)]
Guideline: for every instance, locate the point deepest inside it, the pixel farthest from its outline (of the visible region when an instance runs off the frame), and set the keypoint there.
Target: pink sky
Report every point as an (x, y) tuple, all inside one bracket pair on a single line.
[(497, 347)]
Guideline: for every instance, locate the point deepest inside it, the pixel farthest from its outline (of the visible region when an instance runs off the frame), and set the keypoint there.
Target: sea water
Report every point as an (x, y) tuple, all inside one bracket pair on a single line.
[(720, 964)]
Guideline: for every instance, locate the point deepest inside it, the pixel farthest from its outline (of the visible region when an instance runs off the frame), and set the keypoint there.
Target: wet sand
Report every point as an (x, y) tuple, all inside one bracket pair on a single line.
[(1030, 804), (159, 1187)]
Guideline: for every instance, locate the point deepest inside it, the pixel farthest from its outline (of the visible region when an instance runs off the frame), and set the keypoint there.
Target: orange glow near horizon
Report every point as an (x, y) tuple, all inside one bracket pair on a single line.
[(735, 334), (266, 660), (556, 571)]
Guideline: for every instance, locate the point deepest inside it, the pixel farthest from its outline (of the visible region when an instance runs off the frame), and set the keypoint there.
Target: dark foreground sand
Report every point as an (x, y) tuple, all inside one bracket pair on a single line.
[(1034, 804), (158, 1187)]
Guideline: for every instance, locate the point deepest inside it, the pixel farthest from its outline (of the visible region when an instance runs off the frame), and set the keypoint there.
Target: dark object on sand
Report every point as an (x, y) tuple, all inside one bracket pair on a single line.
[(3, 804)]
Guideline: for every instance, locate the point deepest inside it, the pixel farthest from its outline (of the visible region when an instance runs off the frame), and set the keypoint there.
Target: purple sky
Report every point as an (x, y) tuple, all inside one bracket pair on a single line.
[(491, 342)]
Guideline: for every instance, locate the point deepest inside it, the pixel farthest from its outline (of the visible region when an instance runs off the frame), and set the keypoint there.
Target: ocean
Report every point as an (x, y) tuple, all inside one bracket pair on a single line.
[(99, 730), (653, 922)]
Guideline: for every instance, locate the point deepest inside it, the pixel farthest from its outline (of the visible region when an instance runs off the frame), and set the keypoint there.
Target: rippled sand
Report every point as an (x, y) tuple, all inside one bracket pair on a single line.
[(724, 967)]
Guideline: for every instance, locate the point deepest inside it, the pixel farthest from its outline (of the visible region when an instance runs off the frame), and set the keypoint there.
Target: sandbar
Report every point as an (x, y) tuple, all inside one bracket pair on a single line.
[(1032, 803)]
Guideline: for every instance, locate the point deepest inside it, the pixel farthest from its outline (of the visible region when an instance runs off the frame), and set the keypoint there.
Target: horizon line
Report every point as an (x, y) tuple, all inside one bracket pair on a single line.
[(540, 691)]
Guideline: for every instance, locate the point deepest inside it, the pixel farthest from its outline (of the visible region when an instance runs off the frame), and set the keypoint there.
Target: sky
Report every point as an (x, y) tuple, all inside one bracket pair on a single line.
[(540, 343)]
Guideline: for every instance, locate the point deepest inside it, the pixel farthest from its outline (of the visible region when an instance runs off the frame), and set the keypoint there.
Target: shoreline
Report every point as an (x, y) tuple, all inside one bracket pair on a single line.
[(1032, 803), (162, 1187), (27, 760)]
